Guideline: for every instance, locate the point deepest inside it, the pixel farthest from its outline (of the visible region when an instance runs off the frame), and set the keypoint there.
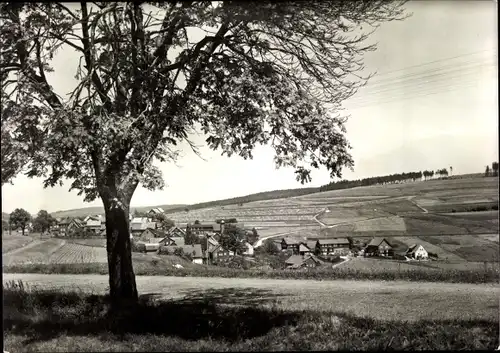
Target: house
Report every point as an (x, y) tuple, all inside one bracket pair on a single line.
[(215, 251), (74, 225), (64, 223), (334, 246), (417, 252), (290, 244), (140, 224), (176, 232), (379, 247), (194, 251), (93, 223), (299, 261), (308, 247), (205, 227), (154, 211)]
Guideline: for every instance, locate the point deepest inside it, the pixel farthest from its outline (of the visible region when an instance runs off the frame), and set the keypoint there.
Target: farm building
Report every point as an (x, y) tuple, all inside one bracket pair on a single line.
[(334, 246), (217, 252), (193, 251), (290, 244), (379, 247), (417, 252), (299, 261)]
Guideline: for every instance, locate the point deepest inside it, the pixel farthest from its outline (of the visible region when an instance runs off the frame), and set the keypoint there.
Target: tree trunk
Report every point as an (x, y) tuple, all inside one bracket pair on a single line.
[(122, 284)]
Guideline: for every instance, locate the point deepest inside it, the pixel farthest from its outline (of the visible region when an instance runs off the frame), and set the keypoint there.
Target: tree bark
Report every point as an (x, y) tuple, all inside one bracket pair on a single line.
[(122, 286)]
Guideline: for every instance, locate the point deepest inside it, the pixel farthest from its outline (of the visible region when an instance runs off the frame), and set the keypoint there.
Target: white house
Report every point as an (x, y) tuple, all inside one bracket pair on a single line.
[(417, 252)]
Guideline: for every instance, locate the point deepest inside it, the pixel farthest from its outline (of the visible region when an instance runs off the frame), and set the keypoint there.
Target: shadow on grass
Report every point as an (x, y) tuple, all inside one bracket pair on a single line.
[(43, 315)]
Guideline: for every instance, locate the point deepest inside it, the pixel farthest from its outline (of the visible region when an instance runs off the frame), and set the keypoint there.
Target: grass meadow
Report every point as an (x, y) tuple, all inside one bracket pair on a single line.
[(235, 319)]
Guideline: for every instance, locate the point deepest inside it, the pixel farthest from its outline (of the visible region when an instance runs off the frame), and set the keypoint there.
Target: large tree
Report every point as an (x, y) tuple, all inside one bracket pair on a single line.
[(43, 221), (20, 218), (150, 74)]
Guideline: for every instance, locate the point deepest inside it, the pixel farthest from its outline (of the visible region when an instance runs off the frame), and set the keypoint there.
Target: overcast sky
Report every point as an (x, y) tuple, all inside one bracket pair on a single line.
[(432, 105)]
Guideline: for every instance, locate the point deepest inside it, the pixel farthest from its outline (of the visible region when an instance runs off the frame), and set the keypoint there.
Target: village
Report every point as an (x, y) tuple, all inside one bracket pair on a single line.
[(221, 241)]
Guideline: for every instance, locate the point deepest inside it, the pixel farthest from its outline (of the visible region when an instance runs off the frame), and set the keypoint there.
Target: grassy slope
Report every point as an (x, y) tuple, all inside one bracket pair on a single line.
[(237, 319), (12, 242)]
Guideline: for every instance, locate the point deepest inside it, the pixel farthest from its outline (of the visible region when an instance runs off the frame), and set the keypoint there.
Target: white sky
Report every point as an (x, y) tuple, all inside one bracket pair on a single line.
[(434, 105)]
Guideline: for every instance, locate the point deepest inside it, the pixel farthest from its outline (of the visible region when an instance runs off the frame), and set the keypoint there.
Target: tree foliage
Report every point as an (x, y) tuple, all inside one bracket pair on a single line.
[(43, 221), (20, 218), (270, 247), (190, 238), (233, 239)]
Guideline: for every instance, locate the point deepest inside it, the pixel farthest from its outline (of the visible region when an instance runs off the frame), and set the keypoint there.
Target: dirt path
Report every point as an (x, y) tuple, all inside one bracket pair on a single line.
[(394, 300)]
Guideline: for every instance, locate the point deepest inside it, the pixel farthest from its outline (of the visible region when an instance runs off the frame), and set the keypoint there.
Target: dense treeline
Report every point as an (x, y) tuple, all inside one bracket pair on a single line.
[(387, 179)]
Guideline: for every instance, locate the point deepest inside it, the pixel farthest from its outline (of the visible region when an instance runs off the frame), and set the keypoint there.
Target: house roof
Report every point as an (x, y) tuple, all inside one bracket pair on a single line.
[(178, 240), (311, 244), (298, 260), (377, 242), (77, 221), (140, 220), (413, 248), (156, 210), (172, 229), (158, 233), (304, 247), (294, 260), (291, 241), (193, 250), (333, 241), (211, 240)]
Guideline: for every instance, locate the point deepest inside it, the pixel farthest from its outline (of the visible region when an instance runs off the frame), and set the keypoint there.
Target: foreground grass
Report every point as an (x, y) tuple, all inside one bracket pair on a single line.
[(57, 321), (157, 266)]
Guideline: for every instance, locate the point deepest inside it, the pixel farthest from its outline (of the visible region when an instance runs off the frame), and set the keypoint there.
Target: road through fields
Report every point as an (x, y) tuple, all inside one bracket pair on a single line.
[(385, 300)]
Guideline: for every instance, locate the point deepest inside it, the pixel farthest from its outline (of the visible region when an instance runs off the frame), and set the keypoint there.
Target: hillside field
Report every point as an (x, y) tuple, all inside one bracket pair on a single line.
[(401, 212)]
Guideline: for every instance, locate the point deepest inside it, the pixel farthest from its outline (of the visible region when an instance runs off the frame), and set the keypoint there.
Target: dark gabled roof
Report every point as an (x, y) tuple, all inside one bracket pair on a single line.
[(412, 249), (377, 242), (333, 241)]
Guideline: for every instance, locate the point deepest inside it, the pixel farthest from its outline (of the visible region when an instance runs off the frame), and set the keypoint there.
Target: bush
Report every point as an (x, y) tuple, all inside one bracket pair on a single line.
[(163, 250), (138, 247), (270, 247), (431, 254)]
